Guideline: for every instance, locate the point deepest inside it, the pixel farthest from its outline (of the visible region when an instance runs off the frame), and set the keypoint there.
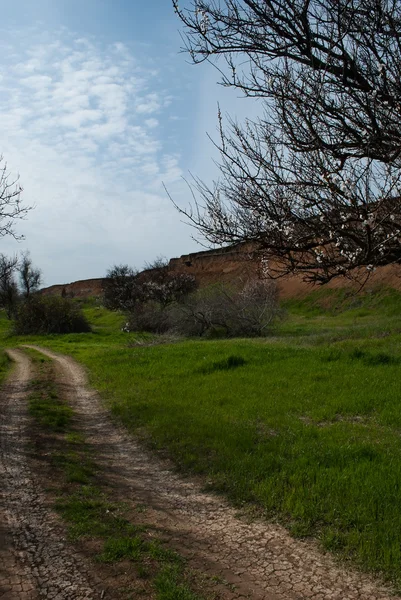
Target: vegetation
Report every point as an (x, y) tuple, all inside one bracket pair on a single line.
[(227, 310), (46, 315), (128, 290), (9, 294), (159, 301), (303, 426), (4, 366), (314, 182), (11, 207), (86, 504), (30, 276)]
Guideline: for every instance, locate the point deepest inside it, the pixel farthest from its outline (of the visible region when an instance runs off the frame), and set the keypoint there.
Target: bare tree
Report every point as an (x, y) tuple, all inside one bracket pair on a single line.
[(9, 294), (30, 276), (11, 207), (315, 181)]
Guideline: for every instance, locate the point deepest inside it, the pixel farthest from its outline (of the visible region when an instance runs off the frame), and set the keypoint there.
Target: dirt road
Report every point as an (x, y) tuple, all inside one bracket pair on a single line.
[(34, 561), (258, 560)]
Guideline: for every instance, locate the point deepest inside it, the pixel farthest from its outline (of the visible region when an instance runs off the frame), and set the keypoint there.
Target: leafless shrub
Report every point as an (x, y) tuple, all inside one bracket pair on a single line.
[(223, 310), (148, 316)]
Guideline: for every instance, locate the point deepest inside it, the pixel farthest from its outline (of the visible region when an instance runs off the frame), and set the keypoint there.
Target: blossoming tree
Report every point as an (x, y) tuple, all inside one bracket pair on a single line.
[(314, 182)]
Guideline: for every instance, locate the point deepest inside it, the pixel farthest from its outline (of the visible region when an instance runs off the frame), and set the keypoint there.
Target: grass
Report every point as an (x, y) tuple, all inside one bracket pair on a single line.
[(46, 408), (304, 425), (4, 365), (311, 437)]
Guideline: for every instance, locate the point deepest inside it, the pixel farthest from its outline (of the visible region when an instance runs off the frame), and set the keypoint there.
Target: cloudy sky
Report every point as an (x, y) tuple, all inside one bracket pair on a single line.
[(99, 108)]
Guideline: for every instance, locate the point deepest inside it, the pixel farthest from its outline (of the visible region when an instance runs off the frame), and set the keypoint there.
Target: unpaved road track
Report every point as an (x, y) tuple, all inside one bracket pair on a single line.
[(260, 560), (35, 562)]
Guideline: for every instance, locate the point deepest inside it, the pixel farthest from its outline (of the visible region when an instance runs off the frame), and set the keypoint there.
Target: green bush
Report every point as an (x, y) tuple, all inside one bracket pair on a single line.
[(40, 315)]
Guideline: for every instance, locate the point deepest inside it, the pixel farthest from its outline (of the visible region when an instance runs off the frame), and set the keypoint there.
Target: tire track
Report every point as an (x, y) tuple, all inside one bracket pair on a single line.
[(259, 560)]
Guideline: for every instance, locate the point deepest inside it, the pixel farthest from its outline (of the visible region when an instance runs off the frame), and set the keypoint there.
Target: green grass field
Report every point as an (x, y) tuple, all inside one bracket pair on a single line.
[(304, 426)]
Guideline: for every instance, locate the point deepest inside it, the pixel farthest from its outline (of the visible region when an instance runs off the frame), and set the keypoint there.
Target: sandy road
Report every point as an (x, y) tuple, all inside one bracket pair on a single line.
[(259, 560)]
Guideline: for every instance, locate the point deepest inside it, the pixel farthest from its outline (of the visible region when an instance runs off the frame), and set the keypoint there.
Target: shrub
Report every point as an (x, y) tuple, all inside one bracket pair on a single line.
[(149, 316), (44, 315), (222, 310), (217, 311), (127, 290)]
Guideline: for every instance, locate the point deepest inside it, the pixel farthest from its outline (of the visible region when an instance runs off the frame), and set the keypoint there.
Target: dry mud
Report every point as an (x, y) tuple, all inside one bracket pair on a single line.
[(254, 560)]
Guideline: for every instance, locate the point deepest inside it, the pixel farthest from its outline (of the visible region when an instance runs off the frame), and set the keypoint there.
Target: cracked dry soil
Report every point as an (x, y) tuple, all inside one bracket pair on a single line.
[(256, 560)]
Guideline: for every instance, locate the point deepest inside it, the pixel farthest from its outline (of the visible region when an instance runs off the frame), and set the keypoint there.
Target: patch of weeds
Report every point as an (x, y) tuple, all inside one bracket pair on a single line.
[(333, 540), (51, 415), (45, 405), (231, 362), (332, 356), (159, 552), (73, 437), (169, 585), (89, 513), (374, 359), (300, 530), (116, 549), (381, 358), (77, 468)]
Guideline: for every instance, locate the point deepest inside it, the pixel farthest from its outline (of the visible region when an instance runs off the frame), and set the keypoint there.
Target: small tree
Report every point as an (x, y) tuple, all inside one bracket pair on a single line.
[(9, 294), (127, 290), (120, 289), (30, 276), (163, 286)]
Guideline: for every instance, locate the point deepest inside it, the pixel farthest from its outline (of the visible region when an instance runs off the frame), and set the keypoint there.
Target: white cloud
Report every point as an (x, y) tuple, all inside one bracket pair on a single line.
[(151, 123), (79, 123)]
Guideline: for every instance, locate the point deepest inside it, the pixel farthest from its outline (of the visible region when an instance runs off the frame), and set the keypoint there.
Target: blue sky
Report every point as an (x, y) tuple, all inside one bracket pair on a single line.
[(99, 108)]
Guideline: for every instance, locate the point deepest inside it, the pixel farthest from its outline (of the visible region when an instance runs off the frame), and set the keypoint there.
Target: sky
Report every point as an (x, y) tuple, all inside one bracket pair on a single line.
[(99, 109)]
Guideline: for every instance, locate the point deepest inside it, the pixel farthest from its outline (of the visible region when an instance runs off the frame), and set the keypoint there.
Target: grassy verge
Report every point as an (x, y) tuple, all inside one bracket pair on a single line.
[(4, 365), (330, 315), (305, 425), (85, 503), (4, 361)]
